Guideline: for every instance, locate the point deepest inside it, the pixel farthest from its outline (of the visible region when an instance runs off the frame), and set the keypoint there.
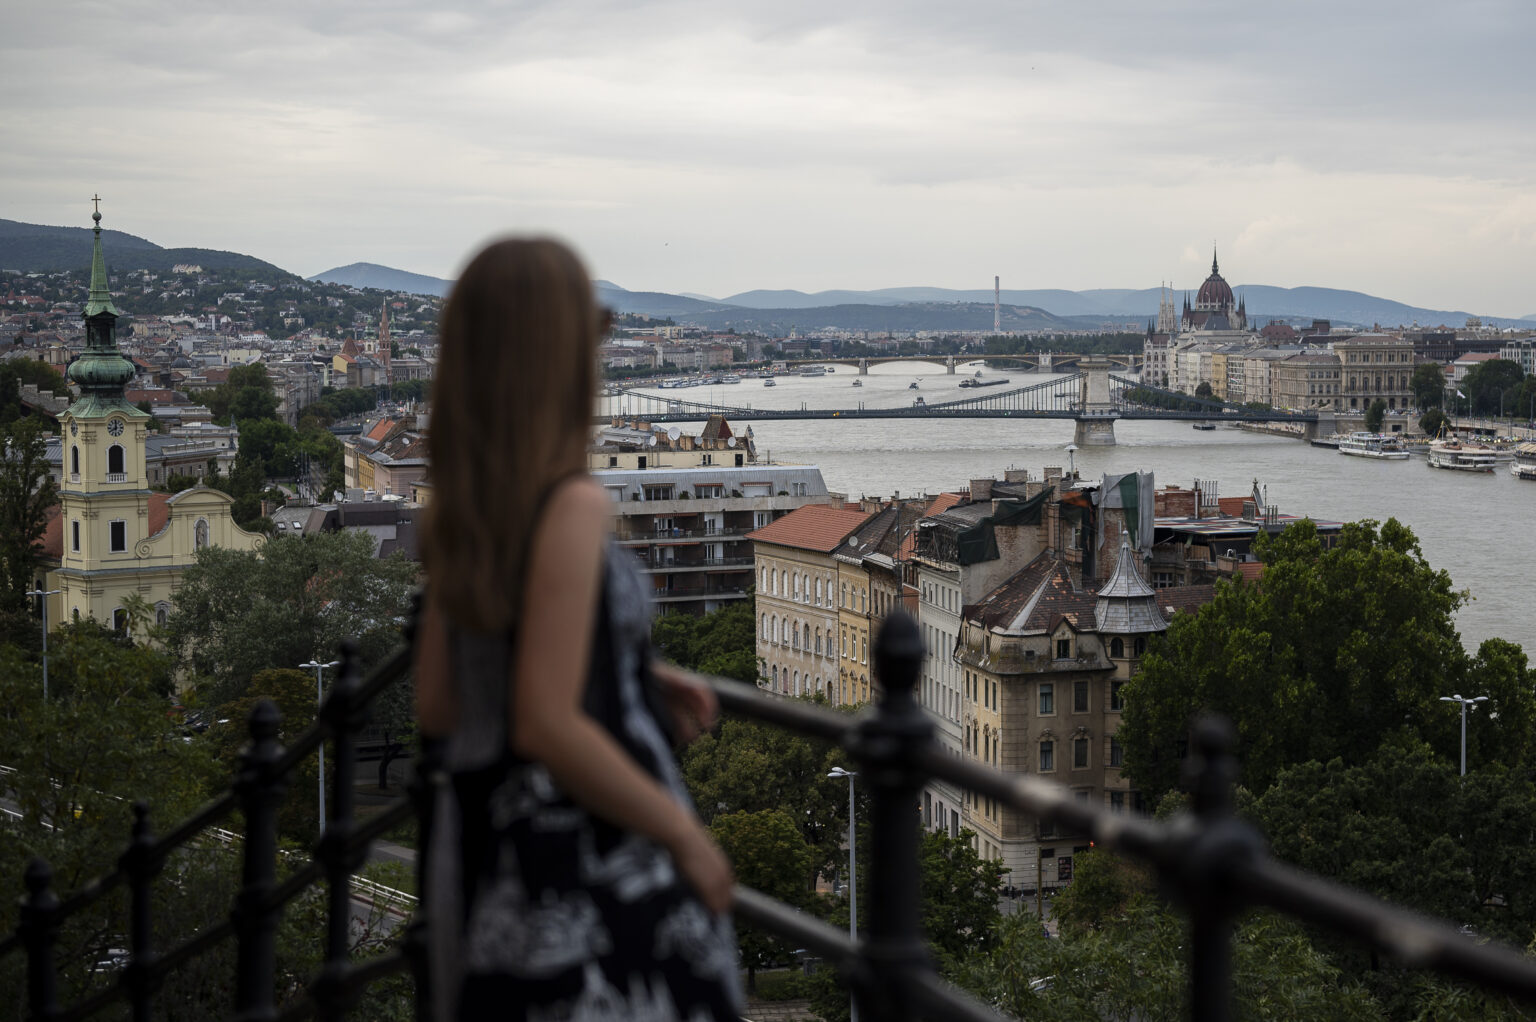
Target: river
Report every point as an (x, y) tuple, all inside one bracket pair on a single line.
[(1475, 526)]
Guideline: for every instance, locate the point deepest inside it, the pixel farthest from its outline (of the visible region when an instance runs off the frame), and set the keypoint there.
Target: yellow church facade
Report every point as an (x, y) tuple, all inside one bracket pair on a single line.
[(112, 540)]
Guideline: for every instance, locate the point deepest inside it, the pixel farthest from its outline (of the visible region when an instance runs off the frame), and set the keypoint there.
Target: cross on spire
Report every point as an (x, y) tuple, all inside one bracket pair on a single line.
[(96, 201)]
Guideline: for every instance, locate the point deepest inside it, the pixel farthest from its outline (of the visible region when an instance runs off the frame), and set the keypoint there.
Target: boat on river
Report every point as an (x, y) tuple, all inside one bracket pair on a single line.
[(1373, 445), (858, 383), (975, 381), (769, 382), (1203, 425), (1459, 457), (1524, 466)]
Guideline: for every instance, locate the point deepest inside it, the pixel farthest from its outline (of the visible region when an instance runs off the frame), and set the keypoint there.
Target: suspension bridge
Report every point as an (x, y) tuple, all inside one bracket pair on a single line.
[(1094, 397)]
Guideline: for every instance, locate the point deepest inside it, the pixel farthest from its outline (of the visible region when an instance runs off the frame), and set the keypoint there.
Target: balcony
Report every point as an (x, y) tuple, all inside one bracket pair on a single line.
[(117, 477), (1209, 859)]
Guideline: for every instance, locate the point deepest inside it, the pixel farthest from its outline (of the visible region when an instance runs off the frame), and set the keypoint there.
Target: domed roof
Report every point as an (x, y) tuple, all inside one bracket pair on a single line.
[(1214, 293)]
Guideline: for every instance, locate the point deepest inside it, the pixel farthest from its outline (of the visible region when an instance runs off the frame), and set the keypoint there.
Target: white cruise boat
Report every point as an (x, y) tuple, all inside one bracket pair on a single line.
[(1524, 466), (1373, 445), (1459, 457)]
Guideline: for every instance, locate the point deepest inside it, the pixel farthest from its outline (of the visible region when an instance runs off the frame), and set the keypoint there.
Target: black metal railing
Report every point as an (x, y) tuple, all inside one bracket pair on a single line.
[(1214, 864)]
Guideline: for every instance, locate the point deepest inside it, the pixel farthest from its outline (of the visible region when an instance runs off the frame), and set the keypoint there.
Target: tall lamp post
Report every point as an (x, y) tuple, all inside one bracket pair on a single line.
[(853, 883), (44, 593), (1469, 701), (320, 698)]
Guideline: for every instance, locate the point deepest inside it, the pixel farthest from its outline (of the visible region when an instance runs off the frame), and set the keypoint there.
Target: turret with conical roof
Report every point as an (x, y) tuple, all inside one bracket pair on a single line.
[(1127, 605)]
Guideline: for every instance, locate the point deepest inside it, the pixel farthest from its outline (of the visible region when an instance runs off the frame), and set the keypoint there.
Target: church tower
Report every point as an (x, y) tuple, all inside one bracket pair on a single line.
[(114, 538), (104, 482)]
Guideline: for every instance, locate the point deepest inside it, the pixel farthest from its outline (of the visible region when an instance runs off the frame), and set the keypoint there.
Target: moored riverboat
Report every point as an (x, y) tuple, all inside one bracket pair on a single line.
[(1459, 457), (1373, 445), (1524, 465)]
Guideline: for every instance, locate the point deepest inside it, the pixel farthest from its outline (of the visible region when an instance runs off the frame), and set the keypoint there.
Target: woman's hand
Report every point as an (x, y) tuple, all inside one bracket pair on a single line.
[(691, 702), (706, 868)]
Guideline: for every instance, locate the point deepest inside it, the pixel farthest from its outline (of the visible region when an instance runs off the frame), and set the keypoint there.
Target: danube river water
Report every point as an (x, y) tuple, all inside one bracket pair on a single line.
[(1478, 527)]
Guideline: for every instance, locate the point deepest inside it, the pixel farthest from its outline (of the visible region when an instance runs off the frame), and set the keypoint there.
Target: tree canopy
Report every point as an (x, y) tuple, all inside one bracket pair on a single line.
[(1428, 385), (1493, 383), (1328, 653), (240, 612), (27, 491)]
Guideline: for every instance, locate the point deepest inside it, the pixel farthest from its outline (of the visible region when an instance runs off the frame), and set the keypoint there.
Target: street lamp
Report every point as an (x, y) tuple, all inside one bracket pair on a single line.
[(1072, 460), (853, 883), (319, 698), (44, 593), (1469, 701)]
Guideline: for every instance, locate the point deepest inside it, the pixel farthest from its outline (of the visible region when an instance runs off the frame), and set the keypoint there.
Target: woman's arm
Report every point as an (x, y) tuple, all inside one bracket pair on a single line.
[(549, 674)]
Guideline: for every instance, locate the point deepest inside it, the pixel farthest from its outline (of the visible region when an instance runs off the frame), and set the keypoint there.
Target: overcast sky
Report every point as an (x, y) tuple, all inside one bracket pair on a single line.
[(712, 147)]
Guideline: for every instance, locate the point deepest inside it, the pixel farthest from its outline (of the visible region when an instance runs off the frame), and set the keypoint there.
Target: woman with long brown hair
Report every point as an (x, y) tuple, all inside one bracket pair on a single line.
[(569, 875)]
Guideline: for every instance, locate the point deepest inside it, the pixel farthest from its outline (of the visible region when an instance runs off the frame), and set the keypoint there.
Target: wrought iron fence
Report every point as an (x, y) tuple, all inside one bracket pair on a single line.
[(1214, 864)]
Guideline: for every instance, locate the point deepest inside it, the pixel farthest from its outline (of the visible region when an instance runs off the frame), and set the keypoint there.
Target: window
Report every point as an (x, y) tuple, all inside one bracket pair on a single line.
[(1116, 700), (1047, 699), (74, 460), (1116, 648), (1079, 697), (1063, 649), (74, 538), (120, 620), (1079, 753), (115, 462), (1140, 645), (1117, 801), (118, 530), (818, 642), (1047, 757), (1116, 753)]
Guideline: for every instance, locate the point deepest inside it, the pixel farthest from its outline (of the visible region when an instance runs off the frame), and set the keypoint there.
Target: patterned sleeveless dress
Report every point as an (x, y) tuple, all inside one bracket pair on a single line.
[(554, 914)]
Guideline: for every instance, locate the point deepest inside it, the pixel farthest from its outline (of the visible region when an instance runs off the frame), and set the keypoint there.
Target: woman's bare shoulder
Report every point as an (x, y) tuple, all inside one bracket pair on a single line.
[(576, 507)]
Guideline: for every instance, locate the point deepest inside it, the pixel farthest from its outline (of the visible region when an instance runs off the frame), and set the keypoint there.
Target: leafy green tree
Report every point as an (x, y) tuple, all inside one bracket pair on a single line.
[(1330, 652), (722, 642), (1489, 385), (1120, 956), (960, 891), (240, 612), (293, 692), (1204, 389), (769, 854), (1428, 383), (27, 492), (1375, 415), (749, 767), (1433, 421)]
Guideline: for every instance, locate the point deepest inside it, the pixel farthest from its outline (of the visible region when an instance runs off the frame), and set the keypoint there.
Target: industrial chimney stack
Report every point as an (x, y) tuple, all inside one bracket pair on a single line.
[(997, 305)]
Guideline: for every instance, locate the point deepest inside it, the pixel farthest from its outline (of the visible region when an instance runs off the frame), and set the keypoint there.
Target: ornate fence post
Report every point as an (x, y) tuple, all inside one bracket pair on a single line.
[(142, 867), (887, 744), (39, 926), (255, 918), (344, 715), (1216, 842)]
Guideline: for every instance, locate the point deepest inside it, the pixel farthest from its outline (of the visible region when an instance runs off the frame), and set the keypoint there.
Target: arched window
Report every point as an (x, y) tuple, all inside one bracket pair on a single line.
[(775, 675), (765, 626), (818, 592), (796, 641), (1117, 648), (763, 585), (797, 683), (74, 460), (1140, 646), (818, 642), (115, 460)]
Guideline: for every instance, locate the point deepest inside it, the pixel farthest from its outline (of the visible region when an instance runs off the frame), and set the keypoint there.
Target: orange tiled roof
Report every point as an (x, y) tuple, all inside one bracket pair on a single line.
[(381, 429), (812, 527)]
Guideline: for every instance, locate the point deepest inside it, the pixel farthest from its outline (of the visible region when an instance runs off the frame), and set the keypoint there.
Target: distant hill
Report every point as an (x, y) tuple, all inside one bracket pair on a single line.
[(29, 248), (882, 318), (1264, 302), (384, 278), (35, 248)]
